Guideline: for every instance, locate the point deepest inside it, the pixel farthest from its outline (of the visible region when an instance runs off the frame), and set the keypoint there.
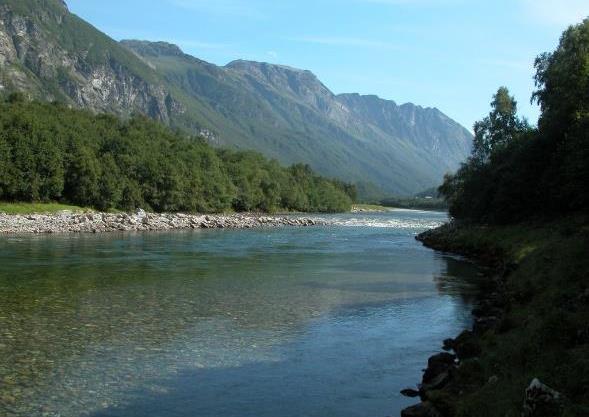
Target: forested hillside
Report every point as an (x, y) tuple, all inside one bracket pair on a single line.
[(49, 152)]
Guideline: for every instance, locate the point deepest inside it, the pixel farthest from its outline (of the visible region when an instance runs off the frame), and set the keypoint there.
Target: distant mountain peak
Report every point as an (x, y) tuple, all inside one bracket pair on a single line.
[(242, 64), (367, 97), (272, 72), (149, 48), (297, 83)]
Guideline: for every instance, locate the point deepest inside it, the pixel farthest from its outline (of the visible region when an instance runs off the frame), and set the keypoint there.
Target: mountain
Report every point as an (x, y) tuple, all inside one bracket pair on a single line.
[(283, 112), (289, 114), (53, 55)]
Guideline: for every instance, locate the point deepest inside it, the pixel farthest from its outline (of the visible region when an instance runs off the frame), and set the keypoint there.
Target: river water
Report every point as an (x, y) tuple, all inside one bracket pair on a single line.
[(320, 321)]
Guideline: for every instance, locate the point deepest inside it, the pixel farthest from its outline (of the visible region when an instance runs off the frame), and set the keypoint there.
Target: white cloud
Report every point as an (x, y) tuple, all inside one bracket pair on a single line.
[(344, 41), (559, 13), (272, 54)]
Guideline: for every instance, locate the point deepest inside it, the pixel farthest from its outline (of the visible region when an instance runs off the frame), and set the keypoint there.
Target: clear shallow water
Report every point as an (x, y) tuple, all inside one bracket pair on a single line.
[(325, 321)]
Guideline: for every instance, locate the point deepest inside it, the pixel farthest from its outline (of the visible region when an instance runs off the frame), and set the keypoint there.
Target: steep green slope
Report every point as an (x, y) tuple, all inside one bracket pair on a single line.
[(290, 115), (439, 141)]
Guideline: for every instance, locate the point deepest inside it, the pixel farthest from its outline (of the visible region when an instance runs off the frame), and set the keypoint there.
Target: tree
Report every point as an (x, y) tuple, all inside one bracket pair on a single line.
[(500, 127), (50, 152), (562, 78), (485, 181)]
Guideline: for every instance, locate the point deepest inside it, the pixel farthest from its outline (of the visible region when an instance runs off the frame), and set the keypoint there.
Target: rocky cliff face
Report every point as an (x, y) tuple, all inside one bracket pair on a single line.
[(38, 58), (299, 85)]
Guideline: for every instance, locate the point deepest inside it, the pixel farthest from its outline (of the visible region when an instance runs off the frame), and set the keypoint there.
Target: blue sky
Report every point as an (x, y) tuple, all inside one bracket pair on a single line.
[(449, 54)]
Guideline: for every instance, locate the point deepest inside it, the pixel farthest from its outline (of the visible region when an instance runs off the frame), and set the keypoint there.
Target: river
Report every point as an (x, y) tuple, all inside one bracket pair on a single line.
[(318, 321)]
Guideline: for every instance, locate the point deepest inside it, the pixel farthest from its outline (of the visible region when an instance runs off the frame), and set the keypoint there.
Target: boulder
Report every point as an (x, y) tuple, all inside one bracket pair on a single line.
[(444, 358), (425, 409), (410, 392), (437, 382), (448, 344), (466, 345), (541, 400), (438, 364)]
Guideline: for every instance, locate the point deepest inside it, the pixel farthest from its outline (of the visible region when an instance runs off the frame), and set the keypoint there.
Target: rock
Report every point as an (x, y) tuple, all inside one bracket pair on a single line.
[(493, 380), (141, 221), (438, 372), (424, 409), (438, 365), (466, 345), (437, 382), (441, 358), (448, 344), (410, 392), (484, 324), (541, 400)]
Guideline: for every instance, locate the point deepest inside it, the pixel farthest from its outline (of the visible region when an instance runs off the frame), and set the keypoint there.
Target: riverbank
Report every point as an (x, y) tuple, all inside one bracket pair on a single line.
[(95, 222), (370, 208), (528, 351)]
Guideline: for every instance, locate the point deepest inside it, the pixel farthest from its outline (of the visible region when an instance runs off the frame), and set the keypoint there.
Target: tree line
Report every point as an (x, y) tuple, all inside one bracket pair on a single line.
[(517, 171), (49, 152)]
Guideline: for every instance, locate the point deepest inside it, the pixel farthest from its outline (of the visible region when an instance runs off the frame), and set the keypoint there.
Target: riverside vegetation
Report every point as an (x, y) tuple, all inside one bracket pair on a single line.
[(520, 206), (49, 152)]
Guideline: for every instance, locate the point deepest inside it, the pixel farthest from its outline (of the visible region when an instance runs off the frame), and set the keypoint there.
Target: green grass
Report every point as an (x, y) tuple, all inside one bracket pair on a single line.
[(38, 208), (547, 335)]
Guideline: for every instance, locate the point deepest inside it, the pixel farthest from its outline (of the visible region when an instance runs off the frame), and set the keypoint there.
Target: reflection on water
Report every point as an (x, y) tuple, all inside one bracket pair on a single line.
[(322, 321)]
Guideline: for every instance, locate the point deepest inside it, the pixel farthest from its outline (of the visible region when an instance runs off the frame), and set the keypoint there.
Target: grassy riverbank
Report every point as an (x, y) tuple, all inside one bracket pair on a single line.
[(544, 329), (38, 208)]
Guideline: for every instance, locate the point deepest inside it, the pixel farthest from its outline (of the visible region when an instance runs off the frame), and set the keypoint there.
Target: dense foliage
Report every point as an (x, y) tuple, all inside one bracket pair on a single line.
[(515, 171), (49, 152)]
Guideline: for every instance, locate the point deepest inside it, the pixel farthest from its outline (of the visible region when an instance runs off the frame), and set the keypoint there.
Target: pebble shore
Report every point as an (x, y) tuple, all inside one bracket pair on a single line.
[(140, 221)]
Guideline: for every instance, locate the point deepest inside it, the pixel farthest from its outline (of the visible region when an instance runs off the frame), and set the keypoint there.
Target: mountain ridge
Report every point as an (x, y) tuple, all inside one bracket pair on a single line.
[(284, 112)]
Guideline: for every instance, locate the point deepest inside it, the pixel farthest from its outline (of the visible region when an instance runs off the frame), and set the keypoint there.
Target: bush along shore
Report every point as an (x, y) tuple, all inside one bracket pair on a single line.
[(527, 353), (95, 222)]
